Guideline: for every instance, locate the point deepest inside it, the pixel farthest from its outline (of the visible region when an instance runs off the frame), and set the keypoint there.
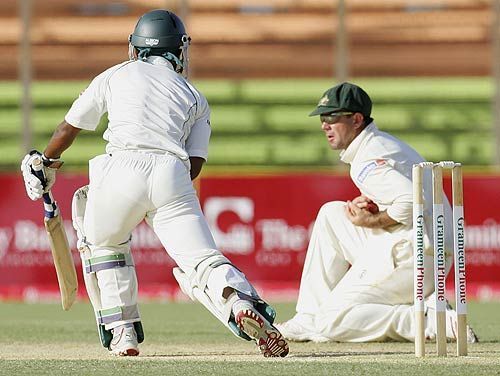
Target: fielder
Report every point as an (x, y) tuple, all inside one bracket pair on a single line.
[(357, 281), (157, 140)]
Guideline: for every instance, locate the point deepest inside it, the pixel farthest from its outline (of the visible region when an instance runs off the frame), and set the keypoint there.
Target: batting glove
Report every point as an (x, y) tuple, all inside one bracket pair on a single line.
[(37, 184)]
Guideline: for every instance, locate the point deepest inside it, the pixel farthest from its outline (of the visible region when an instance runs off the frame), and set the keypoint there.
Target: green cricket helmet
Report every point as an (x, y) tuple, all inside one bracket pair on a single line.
[(160, 32)]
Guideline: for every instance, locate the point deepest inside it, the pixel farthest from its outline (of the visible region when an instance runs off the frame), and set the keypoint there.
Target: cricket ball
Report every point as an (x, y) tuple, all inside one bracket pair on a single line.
[(372, 207)]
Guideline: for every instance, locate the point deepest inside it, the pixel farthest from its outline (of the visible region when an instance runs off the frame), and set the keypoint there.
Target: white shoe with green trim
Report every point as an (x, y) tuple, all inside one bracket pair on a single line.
[(124, 342)]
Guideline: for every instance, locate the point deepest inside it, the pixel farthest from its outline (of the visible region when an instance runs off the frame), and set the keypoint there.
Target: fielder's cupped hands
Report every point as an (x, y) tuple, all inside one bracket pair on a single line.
[(361, 202), (360, 210)]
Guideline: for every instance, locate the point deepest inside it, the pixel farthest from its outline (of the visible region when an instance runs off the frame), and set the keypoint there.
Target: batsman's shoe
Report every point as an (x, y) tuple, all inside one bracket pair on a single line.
[(268, 339), (294, 331), (124, 342)]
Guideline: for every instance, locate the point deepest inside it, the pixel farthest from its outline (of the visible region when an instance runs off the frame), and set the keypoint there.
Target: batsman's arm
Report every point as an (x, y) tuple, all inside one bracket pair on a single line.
[(37, 183), (62, 138)]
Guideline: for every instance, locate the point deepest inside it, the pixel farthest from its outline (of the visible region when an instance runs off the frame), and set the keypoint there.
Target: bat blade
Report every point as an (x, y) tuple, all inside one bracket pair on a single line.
[(63, 260)]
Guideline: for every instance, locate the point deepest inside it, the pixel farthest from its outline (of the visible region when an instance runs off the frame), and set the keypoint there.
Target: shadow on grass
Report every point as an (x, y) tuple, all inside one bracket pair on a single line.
[(326, 354), (349, 353)]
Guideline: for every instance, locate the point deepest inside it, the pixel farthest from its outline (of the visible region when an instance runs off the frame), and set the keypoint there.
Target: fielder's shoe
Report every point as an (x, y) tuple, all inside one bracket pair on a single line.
[(124, 342), (294, 330), (471, 335), (451, 323), (269, 340)]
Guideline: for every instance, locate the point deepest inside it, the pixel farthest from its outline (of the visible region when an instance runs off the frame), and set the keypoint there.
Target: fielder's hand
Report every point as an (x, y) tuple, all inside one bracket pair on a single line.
[(358, 216), (35, 185), (364, 202), (363, 212)]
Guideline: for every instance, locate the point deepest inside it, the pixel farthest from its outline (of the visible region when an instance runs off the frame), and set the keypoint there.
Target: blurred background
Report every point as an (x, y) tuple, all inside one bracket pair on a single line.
[(430, 66)]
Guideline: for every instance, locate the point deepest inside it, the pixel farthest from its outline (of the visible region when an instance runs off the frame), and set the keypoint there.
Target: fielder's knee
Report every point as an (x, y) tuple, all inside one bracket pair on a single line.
[(332, 208)]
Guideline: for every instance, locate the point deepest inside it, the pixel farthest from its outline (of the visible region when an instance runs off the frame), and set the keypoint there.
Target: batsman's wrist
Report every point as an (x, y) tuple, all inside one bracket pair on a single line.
[(51, 162)]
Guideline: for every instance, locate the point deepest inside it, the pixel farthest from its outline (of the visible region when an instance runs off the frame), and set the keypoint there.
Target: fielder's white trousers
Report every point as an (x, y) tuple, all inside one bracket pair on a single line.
[(126, 188), (357, 283)]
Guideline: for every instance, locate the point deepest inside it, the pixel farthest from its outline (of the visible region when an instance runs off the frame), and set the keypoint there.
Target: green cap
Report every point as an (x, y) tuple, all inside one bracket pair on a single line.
[(344, 97)]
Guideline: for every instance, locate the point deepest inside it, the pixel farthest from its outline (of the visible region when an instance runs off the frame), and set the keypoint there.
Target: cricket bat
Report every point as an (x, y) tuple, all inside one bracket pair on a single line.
[(61, 252)]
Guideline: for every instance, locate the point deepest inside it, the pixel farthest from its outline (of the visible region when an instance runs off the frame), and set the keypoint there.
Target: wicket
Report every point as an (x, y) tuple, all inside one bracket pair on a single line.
[(439, 231)]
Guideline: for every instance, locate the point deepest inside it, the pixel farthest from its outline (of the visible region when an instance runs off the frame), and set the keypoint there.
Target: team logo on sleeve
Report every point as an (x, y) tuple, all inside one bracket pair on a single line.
[(365, 171)]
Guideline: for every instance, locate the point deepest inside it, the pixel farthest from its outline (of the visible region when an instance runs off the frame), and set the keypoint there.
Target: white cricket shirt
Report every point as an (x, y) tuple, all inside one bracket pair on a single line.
[(150, 108), (381, 167)]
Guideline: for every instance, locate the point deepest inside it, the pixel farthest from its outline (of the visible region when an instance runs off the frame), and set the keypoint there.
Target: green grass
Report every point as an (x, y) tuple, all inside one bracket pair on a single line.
[(183, 339), (266, 122)]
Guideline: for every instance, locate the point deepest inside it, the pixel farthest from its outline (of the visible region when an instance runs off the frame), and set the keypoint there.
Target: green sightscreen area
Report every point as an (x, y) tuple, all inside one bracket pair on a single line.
[(266, 123)]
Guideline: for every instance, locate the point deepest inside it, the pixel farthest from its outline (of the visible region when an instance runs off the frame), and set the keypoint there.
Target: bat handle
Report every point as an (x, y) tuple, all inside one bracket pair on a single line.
[(37, 167), (49, 204), (50, 207)]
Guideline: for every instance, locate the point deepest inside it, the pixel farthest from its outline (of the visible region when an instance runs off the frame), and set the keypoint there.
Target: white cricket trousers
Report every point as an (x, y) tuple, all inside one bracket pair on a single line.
[(357, 283), (127, 187)]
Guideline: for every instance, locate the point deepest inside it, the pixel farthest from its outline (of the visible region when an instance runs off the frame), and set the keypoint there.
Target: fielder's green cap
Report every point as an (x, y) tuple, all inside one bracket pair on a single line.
[(344, 97)]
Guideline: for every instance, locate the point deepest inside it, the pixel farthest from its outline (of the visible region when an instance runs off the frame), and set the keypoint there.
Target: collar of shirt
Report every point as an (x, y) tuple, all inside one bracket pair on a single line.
[(159, 60), (347, 155)]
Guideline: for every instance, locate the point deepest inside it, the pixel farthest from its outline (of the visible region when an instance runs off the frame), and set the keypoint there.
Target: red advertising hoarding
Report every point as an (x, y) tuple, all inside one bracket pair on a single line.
[(262, 223)]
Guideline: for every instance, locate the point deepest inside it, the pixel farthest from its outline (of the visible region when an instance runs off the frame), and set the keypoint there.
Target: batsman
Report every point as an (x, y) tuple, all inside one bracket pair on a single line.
[(157, 141)]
